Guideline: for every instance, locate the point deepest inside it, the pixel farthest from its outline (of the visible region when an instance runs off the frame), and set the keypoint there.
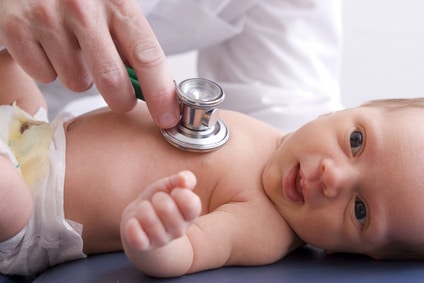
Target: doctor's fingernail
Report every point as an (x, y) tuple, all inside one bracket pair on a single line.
[(168, 120)]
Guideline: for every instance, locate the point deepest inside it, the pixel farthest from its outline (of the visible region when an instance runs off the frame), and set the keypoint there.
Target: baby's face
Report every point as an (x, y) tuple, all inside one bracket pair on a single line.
[(352, 181)]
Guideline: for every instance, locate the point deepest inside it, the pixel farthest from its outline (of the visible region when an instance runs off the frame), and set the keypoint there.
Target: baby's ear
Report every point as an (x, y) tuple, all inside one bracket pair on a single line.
[(376, 256), (328, 252)]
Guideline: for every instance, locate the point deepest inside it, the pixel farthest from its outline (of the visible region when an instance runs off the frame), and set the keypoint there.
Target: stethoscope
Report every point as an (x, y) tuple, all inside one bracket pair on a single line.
[(199, 129)]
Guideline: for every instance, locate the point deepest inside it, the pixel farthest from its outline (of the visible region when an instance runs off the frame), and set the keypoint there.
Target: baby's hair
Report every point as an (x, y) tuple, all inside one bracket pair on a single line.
[(400, 251), (396, 103)]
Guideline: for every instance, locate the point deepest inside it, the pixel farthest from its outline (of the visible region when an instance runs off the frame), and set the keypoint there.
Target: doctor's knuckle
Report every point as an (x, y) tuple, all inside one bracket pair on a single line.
[(43, 14), (82, 12), (10, 25), (148, 55), (109, 77)]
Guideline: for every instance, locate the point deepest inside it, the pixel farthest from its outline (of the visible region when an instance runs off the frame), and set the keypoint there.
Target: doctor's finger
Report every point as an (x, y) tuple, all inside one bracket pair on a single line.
[(145, 55), (33, 60), (94, 36), (66, 58)]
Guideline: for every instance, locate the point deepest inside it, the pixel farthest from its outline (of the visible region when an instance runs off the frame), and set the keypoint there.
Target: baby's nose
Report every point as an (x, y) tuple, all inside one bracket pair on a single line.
[(334, 177)]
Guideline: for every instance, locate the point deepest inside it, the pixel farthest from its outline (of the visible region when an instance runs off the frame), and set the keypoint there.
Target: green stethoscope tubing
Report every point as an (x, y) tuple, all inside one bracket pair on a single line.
[(135, 83)]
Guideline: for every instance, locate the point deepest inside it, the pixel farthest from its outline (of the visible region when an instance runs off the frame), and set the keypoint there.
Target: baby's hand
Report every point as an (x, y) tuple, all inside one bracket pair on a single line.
[(162, 213)]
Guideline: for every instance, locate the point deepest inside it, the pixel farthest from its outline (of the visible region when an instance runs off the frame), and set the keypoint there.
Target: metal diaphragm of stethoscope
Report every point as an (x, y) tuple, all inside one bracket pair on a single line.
[(199, 129)]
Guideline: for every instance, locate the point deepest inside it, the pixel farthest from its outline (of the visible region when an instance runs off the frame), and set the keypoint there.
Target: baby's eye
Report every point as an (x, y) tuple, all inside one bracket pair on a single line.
[(360, 211), (356, 141)]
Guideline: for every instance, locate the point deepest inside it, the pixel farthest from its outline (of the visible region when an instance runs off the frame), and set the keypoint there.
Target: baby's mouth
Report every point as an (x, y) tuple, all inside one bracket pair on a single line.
[(291, 185)]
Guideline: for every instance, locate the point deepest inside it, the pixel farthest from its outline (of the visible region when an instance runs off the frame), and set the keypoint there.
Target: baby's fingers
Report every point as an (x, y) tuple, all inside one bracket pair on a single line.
[(183, 179), (162, 213), (134, 235), (140, 223), (170, 216), (188, 203)]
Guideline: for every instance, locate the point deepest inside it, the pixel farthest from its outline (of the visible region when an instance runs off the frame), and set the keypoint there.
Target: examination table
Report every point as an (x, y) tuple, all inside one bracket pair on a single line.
[(304, 265)]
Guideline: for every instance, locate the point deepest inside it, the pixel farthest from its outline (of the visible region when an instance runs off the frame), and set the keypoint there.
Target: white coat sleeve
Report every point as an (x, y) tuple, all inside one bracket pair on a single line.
[(283, 68), (277, 60), (184, 25)]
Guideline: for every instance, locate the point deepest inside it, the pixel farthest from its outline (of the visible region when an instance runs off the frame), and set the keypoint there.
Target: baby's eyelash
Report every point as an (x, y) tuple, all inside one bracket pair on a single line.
[(360, 210), (356, 141)]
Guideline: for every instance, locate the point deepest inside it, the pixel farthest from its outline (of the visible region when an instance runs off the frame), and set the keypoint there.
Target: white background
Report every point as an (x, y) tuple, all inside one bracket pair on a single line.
[(383, 54), (383, 49)]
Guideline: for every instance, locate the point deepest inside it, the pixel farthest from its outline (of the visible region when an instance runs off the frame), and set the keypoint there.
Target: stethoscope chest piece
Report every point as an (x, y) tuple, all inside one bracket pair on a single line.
[(199, 129)]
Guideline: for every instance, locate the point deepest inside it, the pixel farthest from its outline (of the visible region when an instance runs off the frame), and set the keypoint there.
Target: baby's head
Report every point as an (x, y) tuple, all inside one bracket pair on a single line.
[(352, 181), (407, 243)]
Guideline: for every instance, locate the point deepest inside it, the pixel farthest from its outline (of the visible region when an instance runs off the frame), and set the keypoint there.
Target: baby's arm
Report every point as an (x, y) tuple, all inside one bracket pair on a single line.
[(152, 226), (242, 232), (17, 86)]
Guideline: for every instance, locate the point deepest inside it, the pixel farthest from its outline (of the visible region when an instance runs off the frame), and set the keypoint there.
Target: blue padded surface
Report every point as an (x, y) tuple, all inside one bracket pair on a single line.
[(15, 279), (304, 265)]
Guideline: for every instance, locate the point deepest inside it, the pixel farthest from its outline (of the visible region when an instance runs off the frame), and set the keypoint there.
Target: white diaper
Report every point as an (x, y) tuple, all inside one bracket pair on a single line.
[(48, 238)]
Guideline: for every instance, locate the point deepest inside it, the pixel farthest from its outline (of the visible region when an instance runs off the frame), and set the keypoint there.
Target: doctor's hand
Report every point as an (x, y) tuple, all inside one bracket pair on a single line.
[(87, 41), (162, 213)]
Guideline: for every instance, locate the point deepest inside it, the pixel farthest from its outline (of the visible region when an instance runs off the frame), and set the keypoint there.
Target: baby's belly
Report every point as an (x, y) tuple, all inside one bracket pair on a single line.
[(110, 160)]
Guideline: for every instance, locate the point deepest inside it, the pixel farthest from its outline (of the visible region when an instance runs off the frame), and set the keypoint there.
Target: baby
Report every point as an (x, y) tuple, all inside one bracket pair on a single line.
[(344, 182)]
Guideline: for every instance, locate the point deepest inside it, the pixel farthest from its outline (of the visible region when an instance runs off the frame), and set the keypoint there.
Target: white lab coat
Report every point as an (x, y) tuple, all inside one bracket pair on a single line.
[(277, 60)]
